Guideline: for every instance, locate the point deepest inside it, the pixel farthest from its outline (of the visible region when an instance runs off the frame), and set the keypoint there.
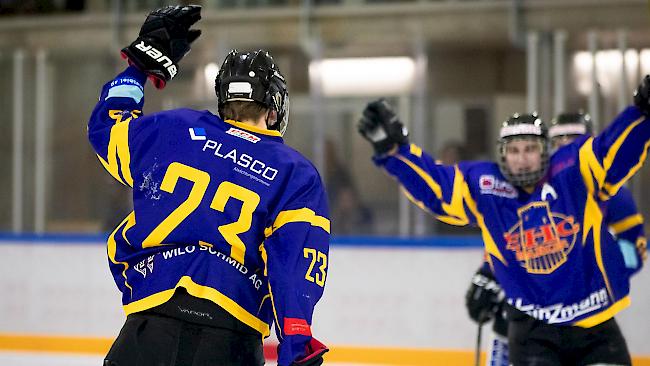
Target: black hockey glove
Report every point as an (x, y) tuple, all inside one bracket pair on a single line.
[(500, 324), (164, 39), (314, 350), (642, 96), (484, 296), (380, 125)]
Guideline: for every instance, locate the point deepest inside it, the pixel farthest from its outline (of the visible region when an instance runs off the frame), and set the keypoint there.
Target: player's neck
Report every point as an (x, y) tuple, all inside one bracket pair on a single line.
[(260, 123)]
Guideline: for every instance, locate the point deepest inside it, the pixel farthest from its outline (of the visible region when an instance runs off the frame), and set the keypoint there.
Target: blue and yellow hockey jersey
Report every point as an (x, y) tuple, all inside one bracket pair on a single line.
[(549, 249), (221, 208)]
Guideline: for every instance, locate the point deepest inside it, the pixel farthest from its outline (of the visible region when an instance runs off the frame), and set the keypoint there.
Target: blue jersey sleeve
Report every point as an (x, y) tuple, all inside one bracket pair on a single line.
[(120, 103), (296, 252), (438, 189), (626, 224), (608, 160)]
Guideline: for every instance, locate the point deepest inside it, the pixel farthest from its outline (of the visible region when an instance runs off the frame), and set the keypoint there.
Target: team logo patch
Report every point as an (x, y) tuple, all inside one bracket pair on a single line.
[(541, 239), (490, 185), (145, 264), (197, 133), (243, 135)]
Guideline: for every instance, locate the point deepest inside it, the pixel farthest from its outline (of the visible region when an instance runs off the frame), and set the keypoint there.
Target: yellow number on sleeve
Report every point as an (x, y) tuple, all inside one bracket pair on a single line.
[(316, 257), (309, 252), (320, 277)]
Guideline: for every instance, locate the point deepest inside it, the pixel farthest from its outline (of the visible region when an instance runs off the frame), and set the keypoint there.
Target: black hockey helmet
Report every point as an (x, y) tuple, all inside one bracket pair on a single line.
[(523, 126), (254, 77), (571, 124)]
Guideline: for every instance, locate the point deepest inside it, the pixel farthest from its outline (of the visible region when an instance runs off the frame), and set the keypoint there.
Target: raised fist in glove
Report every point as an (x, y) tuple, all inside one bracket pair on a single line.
[(164, 39), (484, 296), (642, 95), (380, 125)]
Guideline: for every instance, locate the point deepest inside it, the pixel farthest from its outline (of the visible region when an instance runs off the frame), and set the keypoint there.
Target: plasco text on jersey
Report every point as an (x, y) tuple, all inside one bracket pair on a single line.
[(244, 160)]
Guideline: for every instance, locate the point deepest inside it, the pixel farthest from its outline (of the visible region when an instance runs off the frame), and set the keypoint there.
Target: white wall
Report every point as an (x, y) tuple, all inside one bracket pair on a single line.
[(396, 296)]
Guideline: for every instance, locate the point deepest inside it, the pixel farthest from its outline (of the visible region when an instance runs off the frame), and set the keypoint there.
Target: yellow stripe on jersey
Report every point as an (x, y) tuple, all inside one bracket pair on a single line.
[(455, 210), (416, 150), (490, 245), (300, 215), (251, 128), (456, 207), (130, 223), (120, 134), (605, 315), (593, 216), (626, 223), (433, 185), (613, 150), (111, 169), (202, 292), (613, 188), (590, 167), (446, 219), (275, 314), (112, 247), (118, 154)]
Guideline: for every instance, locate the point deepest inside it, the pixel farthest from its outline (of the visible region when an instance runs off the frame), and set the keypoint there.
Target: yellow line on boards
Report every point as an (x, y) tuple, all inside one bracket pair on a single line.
[(349, 354), (401, 356), (46, 343)]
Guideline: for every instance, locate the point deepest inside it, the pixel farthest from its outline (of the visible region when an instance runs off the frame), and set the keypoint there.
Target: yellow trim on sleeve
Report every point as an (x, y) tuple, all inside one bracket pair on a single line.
[(446, 219), (605, 315), (120, 134), (129, 224), (111, 248), (613, 188), (300, 215), (433, 185), (203, 292), (454, 211), (613, 150), (111, 169), (590, 168), (626, 223), (275, 314), (593, 216), (460, 190), (251, 128), (416, 150)]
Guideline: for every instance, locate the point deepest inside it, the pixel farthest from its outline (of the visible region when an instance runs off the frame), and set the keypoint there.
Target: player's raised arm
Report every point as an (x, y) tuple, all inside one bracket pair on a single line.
[(437, 188), (164, 39), (296, 252), (611, 158)]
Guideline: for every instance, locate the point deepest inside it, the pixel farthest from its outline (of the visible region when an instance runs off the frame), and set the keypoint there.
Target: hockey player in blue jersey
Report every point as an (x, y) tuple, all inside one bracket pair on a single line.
[(484, 298), (541, 221), (230, 230)]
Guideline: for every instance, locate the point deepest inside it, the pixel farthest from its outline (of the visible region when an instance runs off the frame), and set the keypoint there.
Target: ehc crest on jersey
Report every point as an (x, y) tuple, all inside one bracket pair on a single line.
[(541, 239), (490, 185)]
